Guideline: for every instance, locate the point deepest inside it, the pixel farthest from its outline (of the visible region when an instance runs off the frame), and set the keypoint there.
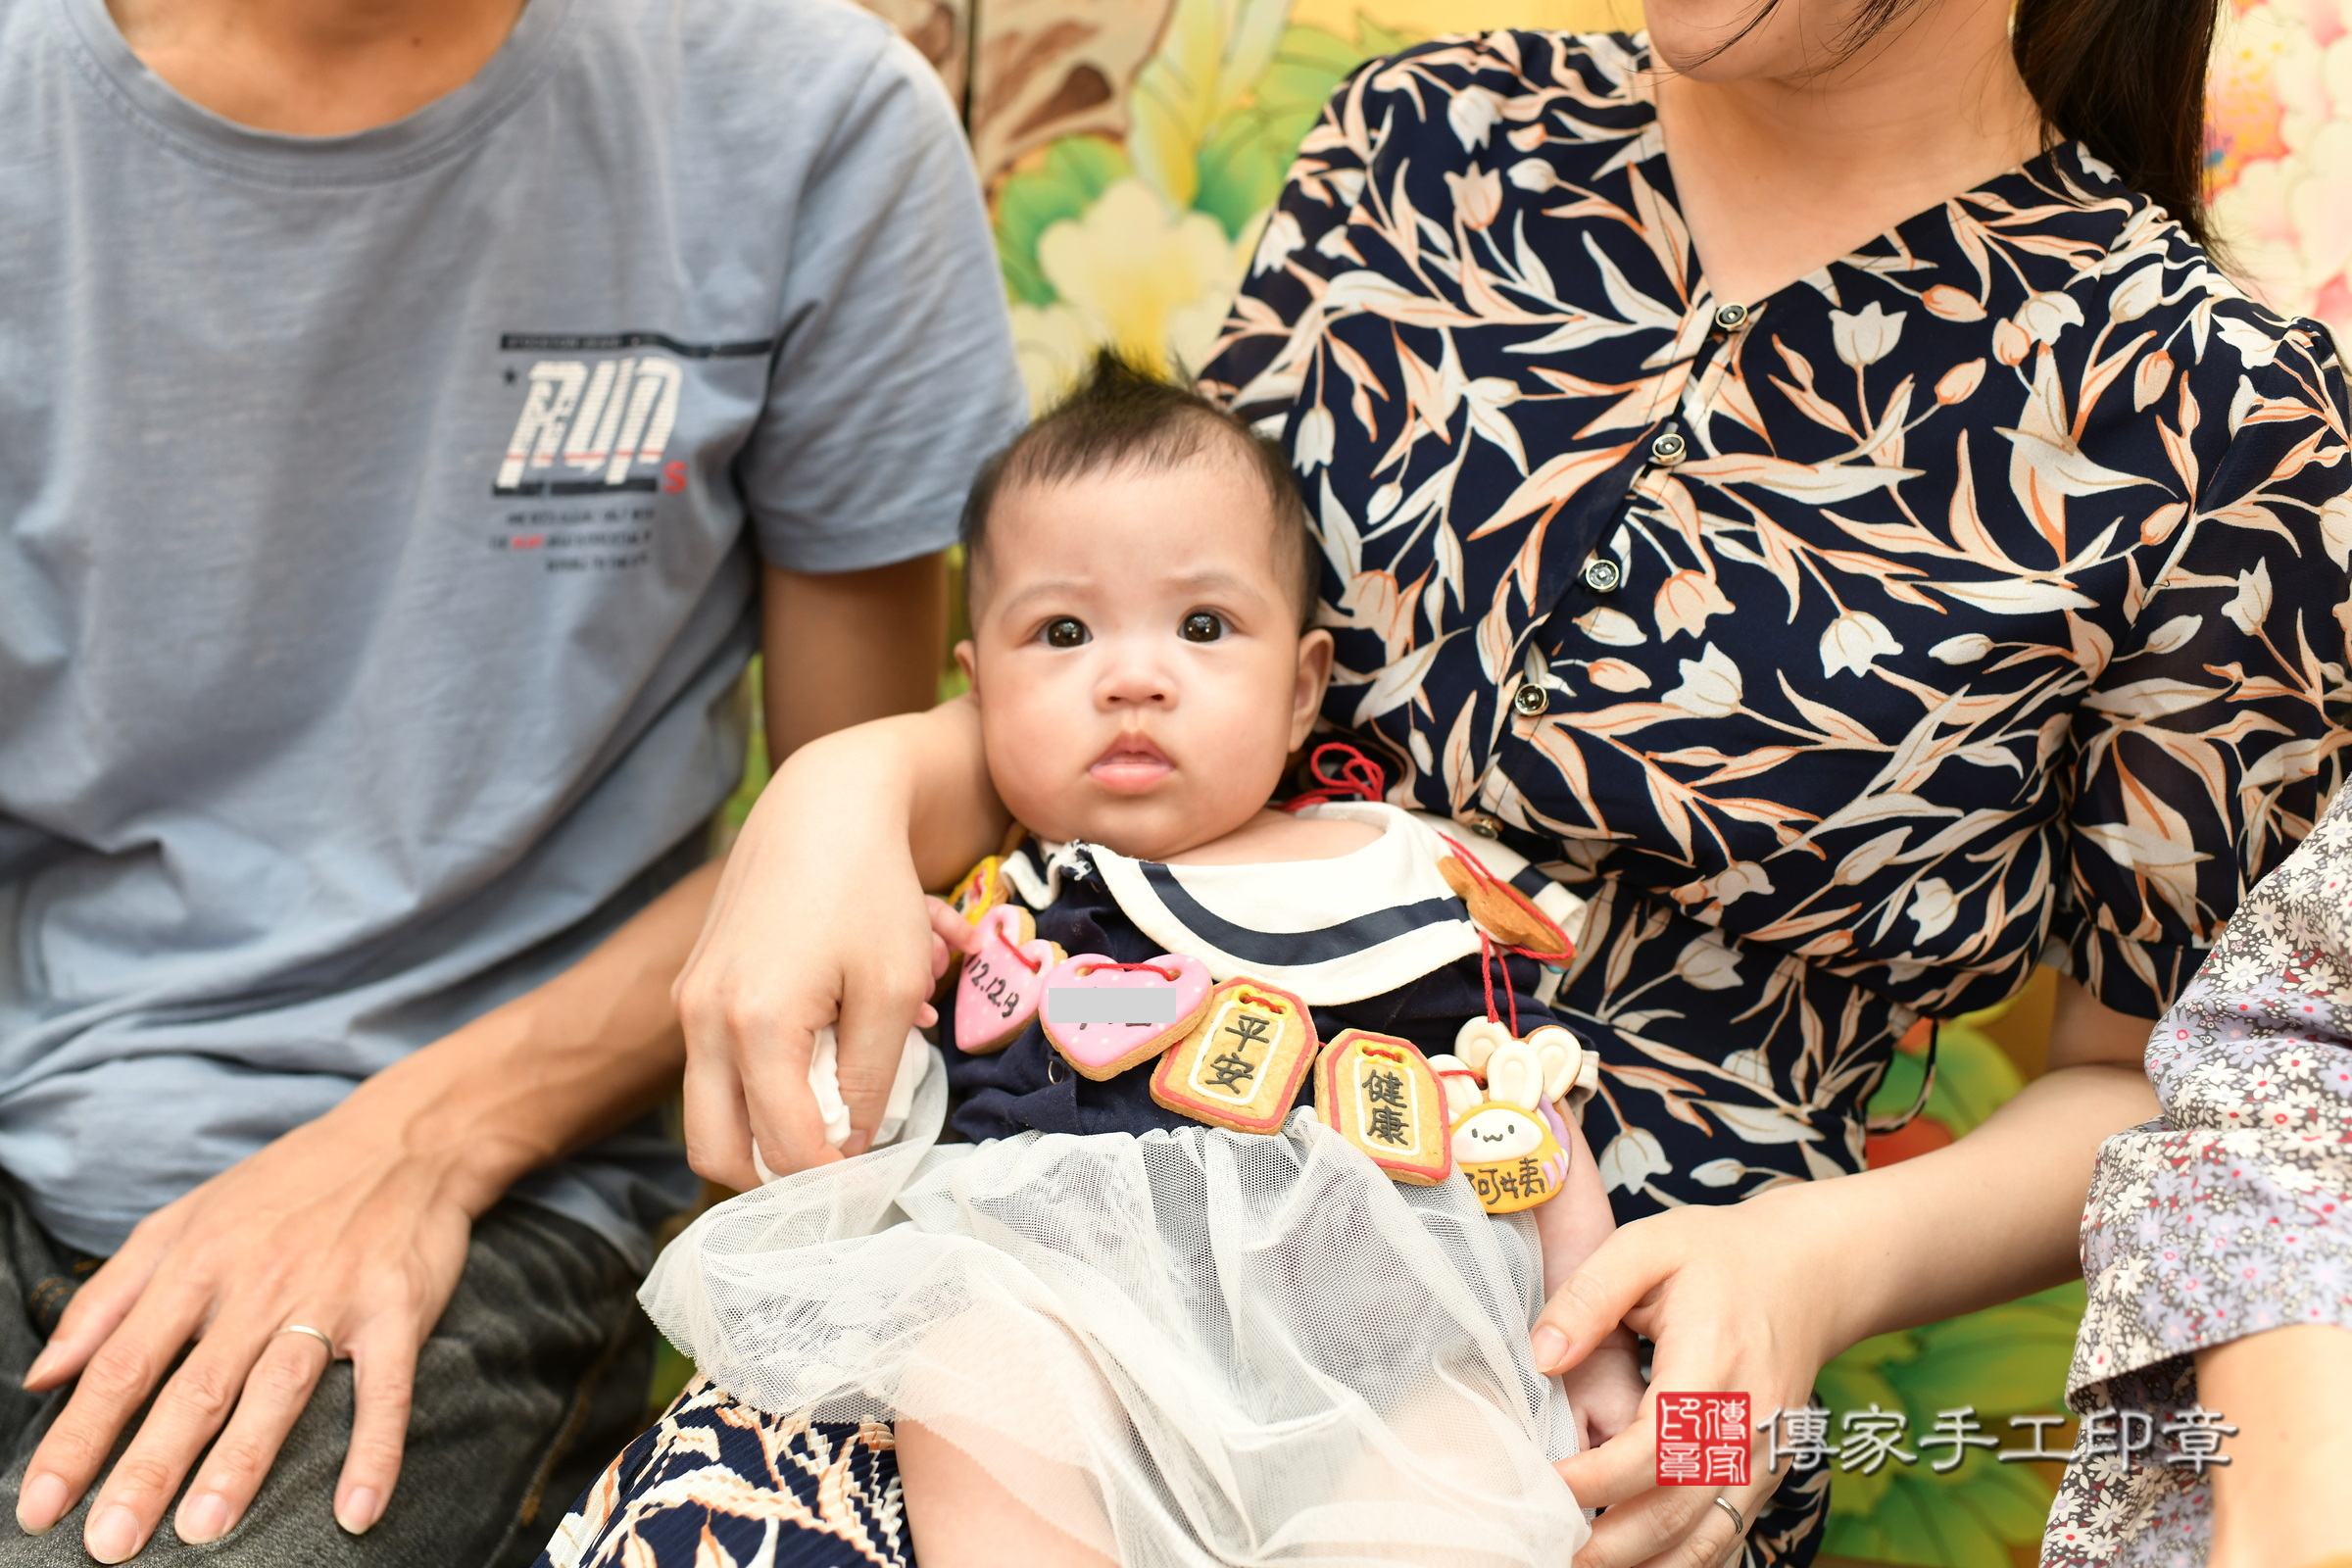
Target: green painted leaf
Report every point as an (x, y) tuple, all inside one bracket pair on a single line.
[(1240, 168), (2004, 1360), (1854, 1495), (1371, 38), (2007, 1360), (1244, 155), (1074, 172), (1943, 1522), (1972, 1077)]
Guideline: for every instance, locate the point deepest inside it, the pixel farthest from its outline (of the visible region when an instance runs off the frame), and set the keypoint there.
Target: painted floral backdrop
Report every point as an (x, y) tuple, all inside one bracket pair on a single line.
[(2281, 153), (1131, 149)]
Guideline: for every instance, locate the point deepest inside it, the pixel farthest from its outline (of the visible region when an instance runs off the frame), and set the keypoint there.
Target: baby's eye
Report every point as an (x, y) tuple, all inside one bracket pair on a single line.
[(1064, 631), (1202, 627)]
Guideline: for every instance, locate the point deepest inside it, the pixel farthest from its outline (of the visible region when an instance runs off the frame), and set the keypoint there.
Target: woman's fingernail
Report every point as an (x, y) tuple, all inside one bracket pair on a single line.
[(113, 1536), (204, 1520), (357, 1512), (42, 1504), (1551, 1346), (42, 1365)]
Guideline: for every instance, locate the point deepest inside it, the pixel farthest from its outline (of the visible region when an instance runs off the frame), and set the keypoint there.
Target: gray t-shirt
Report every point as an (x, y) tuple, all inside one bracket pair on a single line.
[(379, 527)]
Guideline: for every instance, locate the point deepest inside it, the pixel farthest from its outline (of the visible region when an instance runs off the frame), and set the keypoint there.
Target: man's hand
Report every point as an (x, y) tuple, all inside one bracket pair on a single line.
[(355, 1225), (334, 1225)]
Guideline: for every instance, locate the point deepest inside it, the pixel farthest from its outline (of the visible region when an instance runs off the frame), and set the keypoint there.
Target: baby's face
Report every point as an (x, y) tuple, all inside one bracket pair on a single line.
[(1137, 657)]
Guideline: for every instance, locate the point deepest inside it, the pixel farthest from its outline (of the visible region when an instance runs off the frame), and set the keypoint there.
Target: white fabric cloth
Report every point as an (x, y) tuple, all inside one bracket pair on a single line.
[(1184, 1349), (1331, 931), (917, 1062)]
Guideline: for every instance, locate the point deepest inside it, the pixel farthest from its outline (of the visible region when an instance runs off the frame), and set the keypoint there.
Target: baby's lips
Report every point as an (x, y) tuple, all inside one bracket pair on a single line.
[(1133, 747), (1132, 763)]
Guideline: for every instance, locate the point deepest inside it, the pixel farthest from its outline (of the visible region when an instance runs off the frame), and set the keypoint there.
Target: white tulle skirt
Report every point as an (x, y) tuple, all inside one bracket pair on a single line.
[(1183, 1349)]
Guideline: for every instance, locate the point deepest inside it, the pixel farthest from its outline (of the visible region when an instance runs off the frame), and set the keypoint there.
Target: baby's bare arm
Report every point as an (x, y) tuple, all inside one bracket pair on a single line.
[(1604, 1389)]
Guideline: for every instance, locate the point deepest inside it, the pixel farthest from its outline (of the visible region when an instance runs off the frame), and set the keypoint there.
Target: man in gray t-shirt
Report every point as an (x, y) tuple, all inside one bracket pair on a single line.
[(404, 443)]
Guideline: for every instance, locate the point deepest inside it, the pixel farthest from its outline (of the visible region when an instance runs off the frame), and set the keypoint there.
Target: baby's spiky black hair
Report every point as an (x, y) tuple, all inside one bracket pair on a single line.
[(1121, 415)]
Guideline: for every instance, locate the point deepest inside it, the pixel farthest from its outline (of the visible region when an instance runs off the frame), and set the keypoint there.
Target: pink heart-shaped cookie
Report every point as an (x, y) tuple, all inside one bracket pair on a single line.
[(1002, 981), (1105, 1017)]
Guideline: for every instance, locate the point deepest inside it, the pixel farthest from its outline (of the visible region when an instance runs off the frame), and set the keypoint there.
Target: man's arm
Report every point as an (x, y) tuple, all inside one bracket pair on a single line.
[(843, 649), (357, 1224)]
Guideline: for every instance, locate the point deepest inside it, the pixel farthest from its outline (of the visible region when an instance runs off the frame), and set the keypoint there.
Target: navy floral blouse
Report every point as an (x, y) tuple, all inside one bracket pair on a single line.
[(1980, 597)]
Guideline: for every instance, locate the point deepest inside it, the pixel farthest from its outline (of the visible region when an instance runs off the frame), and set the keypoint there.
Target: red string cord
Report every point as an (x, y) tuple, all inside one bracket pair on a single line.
[(1014, 947), (1484, 878), (1486, 973), (1171, 976), (1359, 778)]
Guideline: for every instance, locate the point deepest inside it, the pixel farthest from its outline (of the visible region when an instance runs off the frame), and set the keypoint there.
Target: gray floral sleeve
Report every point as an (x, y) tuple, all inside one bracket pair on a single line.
[(2230, 1214)]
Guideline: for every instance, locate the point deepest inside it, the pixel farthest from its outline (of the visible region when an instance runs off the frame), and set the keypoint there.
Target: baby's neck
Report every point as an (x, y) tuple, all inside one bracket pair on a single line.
[(1271, 837)]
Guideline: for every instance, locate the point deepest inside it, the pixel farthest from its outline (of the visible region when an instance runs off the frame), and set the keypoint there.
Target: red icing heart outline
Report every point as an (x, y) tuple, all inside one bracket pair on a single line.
[(1004, 980), (1103, 1050)]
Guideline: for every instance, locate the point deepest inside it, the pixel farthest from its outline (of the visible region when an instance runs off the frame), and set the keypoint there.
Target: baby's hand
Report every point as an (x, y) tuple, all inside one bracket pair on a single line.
[(951, 934), (1606, 1389)]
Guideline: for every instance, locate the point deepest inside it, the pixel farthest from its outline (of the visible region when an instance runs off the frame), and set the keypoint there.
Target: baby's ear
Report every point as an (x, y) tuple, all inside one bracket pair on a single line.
[(970, 663), (1315, 673)]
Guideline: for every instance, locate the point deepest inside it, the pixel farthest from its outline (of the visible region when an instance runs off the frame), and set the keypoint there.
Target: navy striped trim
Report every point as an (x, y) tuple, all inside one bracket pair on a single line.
[(1296, 949)]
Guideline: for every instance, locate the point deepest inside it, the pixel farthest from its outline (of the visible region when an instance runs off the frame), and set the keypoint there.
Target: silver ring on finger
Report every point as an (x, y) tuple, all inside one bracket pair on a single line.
[(321, 1337), (1738, 1524)]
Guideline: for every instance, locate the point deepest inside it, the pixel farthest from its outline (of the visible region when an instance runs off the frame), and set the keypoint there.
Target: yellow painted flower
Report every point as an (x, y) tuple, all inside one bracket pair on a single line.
[(1132, 274)]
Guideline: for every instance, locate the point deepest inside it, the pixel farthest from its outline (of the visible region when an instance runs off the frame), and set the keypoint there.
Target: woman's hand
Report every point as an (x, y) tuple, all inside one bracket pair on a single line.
[(821, 919), (334, 1225), (1755, 1297), (1734, 1299)]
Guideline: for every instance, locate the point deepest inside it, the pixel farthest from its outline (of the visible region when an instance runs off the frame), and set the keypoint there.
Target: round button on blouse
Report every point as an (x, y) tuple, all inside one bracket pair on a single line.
[(1731, 317), (1668, 449), (1603, 575), (1531, 702)]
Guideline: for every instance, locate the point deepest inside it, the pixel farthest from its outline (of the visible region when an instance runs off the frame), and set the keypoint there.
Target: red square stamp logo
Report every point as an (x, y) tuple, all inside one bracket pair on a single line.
[(1702, 1439)]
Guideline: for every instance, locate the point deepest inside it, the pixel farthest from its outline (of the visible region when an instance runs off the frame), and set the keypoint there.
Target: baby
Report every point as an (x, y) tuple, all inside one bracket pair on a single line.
[(1172, 1304)]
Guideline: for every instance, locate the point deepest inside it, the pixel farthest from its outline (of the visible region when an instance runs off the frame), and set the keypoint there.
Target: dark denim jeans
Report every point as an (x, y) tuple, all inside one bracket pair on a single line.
[(534, 1378)]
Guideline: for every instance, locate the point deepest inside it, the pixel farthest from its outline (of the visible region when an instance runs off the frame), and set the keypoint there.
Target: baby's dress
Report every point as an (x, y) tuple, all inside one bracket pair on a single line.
[(1179, 1344)]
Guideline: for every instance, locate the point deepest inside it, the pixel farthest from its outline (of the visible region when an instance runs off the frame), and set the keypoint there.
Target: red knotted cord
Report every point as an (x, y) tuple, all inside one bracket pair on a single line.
[(1171, 976), (1486, 971), (1359, 778), (1020, 957), (1558, 955)]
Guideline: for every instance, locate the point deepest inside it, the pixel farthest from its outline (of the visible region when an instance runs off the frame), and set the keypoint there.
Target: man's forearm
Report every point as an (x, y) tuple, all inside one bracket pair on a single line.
[(549, 1071), (844, 648)]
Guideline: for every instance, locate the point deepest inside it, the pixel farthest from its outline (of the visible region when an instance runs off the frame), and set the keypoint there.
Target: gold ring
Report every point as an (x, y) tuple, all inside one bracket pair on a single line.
[(316, 1334)]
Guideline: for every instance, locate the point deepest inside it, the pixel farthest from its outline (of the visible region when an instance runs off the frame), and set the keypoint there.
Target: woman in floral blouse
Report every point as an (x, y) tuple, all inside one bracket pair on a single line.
[(2218, 1248), (1866, 553)]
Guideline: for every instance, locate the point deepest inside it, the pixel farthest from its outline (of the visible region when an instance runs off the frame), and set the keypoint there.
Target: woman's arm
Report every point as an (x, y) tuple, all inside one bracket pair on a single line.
[(2285, 1390), (1756, 1296), (821, 919)]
